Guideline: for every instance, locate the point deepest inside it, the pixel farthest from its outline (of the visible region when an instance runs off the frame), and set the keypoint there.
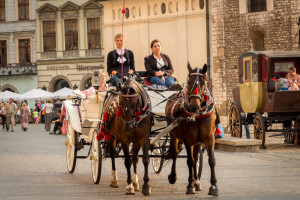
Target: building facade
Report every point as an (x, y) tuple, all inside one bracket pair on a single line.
[(69, 43), (238, 26), (180, 25), (18, 72)]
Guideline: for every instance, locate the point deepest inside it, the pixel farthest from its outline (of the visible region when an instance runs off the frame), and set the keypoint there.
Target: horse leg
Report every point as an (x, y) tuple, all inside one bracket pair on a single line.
[(210, 146), (197, 183), (190, 189), (173, 151), (127, 162), (146, 187), (135, 160), (112, 150)]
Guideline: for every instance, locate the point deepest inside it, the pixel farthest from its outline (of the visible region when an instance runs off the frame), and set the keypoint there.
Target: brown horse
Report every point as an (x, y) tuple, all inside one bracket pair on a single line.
[(195, 104), (128, 120)]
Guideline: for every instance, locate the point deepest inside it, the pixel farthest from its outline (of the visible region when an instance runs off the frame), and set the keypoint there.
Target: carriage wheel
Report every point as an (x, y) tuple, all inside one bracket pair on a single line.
[(200, 163), (235, 120), (157, 162), (96, 159), (71, 141), (259, 129), (288, 139)]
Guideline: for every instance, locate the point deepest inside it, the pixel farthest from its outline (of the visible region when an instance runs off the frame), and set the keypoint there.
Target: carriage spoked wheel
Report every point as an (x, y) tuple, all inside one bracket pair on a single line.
[(260, 129), (289, 139), (71, 151), (157, 161), (96, 158), (235, 120)]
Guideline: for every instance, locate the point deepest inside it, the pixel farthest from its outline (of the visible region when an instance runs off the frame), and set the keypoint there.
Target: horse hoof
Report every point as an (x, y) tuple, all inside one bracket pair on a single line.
[(114, 184), (146, 190), (213, 190), (190, 190), (198, 186), (136, 186), (172, 179), (130, 190)]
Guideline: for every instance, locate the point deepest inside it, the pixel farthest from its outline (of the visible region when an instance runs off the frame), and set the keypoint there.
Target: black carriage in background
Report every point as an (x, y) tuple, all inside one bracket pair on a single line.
[(256, 96)]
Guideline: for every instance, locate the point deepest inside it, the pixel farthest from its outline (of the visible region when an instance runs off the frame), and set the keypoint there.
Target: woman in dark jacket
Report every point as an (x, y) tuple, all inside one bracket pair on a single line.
[(159, 66), (114, 61)]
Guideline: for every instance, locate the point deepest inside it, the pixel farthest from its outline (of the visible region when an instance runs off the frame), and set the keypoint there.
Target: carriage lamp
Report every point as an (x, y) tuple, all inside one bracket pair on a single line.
[(96, 80), (96, 83)]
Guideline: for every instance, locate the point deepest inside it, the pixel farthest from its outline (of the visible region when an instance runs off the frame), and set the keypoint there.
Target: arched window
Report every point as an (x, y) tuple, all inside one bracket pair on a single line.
[(257, 5)]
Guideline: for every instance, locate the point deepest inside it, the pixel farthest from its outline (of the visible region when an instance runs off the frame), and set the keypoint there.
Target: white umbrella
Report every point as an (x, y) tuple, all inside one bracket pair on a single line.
[(4, 96), (64, 92), (37, 94)]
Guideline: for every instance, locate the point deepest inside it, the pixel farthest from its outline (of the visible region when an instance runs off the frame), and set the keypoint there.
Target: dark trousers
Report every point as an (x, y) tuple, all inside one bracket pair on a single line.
[(56, 125), (3, 121)]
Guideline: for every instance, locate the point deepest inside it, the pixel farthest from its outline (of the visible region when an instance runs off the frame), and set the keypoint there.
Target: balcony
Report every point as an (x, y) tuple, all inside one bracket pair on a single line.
[(92, 53), (70, 54), (48, 55), (18, 69)]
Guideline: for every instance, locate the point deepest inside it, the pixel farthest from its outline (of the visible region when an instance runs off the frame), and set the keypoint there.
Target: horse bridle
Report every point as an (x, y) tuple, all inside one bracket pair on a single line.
[(127, 106), (194, 87)]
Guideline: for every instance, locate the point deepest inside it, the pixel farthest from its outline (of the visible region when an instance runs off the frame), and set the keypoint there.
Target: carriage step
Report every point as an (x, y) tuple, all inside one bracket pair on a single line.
[(235, 144)]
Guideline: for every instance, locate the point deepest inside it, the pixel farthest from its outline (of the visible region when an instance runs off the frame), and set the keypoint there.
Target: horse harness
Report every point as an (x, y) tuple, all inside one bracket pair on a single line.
[(205, 95), (139, 114)]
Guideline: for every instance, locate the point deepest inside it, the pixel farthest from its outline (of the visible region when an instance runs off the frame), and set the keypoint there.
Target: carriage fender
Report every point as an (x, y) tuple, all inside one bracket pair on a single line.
[(73, 115)]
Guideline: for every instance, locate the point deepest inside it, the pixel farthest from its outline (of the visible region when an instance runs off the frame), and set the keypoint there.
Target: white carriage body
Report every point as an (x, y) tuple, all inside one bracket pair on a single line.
[(90, 111)]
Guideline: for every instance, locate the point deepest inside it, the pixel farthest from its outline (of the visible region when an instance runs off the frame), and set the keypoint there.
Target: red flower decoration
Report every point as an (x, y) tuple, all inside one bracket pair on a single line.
[(137, 113), (119, 112), (196, 90), (105, 117), (206, 97), (100, 136)]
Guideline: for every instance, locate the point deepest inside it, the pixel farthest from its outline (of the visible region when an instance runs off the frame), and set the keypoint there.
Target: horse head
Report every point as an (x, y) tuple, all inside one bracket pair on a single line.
[(195, 90), (129, 103)]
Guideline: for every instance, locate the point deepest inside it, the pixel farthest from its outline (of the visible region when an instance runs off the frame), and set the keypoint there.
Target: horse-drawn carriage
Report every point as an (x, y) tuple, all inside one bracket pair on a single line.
[(256, 96), (130, 116)]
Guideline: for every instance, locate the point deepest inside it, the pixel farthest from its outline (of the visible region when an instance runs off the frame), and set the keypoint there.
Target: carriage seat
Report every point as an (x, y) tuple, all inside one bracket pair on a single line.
[(90, 109)]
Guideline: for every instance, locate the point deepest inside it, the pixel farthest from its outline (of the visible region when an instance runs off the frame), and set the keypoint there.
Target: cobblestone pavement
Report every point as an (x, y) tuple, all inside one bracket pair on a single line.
[(33, 166)]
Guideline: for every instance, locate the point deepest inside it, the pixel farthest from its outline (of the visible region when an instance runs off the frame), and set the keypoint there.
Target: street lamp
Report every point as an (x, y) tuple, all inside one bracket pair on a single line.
[(75, 87), (44, 88)]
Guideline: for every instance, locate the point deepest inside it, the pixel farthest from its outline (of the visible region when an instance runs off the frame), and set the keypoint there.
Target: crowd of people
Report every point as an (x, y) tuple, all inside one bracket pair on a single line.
[(43, 112)]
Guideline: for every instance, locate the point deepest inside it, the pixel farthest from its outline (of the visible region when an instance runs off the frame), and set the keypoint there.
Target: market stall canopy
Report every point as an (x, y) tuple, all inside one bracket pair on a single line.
[(37, 94), (64, 92), (4, 96)]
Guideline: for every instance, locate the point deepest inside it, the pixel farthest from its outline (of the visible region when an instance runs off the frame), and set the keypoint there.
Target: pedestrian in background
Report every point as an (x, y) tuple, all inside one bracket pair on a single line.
[(42, 109), (10, 109), (57, 107), (65, 116), (36, 116), (48, 114), (24, 116), (3, 115)]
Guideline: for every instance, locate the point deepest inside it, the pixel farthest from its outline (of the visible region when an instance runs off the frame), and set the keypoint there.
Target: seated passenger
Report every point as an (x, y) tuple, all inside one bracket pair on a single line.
[(114, 61), (281, 84), (293, 79), (159, 66)]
